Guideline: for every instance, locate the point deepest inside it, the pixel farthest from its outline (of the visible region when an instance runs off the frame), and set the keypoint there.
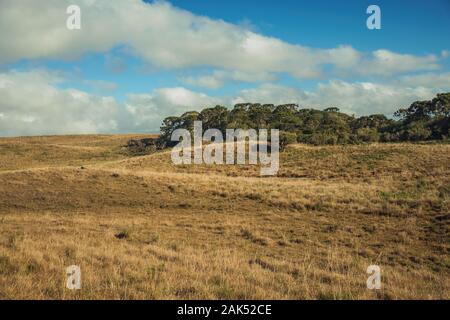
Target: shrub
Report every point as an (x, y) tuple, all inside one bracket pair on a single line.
[(287, 138)]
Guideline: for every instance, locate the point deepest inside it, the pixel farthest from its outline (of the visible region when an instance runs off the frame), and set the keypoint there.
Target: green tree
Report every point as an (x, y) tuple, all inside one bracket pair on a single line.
[(215, 118), (285, 117), (287, 138), (260, 116), (422, 120)]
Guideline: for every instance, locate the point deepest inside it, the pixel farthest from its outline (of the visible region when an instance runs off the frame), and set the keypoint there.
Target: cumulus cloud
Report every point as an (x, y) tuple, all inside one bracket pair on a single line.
[(364, 98), (440, 81), (146, 111), (32, 104), (270, 93), (168, 37), (218, 78), (359, 98), (385, 62)]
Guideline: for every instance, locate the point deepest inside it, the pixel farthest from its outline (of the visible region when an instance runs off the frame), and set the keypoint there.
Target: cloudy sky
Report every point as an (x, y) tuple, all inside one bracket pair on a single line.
[(134, 62)]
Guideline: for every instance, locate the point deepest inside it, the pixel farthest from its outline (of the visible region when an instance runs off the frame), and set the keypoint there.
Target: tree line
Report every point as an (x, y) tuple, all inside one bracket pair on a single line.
[(421, 121)]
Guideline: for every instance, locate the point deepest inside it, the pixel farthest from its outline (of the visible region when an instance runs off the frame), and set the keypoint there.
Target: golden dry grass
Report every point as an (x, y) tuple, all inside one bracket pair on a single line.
[(222, 232)]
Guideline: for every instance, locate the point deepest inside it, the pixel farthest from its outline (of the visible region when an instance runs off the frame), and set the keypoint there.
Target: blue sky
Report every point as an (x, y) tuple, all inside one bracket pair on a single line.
[(134, 63), (413, 26)]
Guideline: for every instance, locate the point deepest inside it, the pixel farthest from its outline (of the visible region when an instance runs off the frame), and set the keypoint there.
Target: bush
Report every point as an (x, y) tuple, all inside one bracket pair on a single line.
[(287, 138), (367, 135), (417, 131)]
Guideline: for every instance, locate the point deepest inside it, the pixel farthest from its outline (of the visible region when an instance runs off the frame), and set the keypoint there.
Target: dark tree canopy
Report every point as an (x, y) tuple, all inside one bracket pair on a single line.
[(422, 120)]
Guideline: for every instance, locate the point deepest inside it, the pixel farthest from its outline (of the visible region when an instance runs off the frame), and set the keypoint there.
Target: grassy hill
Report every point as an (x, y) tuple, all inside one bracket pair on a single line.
[(142, 228)]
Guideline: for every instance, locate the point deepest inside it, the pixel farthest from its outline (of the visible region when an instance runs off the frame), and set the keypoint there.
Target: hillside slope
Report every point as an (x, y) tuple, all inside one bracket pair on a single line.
[(142, 228)]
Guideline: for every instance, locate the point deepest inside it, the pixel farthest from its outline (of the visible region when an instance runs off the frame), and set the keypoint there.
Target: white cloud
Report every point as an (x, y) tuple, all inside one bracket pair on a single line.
[(210, 81), (385, 62), (218, 78), (439, 81), (148, 110), (168, 37), (363, 98), (32, 104), (270, 93), (360, 98)]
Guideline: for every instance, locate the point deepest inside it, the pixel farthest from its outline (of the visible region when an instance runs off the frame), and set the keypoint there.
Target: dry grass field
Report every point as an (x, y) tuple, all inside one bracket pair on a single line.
[(141, 228)]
